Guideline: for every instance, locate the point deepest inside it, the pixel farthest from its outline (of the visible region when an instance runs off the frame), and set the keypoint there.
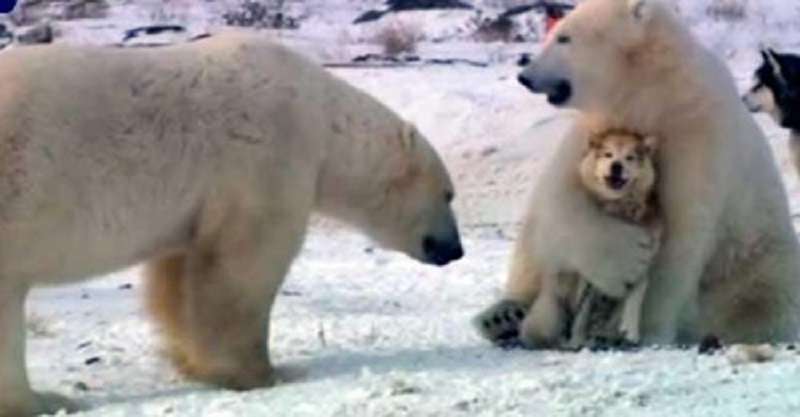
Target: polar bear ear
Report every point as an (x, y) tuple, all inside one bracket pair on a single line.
[(408, 136), (642, 10)]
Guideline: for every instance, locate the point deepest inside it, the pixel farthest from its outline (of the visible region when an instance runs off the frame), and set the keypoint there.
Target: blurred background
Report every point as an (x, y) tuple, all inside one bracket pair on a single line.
[(447, 65)]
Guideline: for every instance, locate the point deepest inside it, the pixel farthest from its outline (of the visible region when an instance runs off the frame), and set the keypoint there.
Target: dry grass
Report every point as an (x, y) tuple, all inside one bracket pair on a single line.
[(398, 38), (494, 30)]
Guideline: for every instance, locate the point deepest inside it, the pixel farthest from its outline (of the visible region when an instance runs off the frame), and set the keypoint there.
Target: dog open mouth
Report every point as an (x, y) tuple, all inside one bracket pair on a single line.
[(616, 183)]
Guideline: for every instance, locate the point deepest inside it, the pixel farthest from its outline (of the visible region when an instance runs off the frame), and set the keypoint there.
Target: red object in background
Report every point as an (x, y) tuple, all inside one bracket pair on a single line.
[(549, 23), (552, 16)]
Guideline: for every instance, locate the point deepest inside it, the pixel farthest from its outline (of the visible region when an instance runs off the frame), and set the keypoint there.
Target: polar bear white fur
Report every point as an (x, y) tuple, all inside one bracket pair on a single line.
[(206, 160), (728, 263)]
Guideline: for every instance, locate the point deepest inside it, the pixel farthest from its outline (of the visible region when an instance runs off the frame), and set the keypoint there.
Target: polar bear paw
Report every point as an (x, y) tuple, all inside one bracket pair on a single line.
[(500, 322)]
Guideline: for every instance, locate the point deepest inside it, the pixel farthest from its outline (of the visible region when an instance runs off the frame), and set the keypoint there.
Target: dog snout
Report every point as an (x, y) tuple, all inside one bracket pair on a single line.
[(749, 104), (616, 169), (442, 252)]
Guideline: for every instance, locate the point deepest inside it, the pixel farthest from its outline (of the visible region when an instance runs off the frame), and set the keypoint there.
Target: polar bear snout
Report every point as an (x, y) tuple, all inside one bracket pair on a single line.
[(440, 252), (557, 89)]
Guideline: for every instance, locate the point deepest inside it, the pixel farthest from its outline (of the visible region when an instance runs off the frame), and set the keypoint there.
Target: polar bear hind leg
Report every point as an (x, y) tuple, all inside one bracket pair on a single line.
[(215, 307)]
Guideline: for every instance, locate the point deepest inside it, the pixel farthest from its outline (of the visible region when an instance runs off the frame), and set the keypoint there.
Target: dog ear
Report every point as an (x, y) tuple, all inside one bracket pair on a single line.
[(647, 146), (772, 59), (595, 142), (408, 136), (765, 56)]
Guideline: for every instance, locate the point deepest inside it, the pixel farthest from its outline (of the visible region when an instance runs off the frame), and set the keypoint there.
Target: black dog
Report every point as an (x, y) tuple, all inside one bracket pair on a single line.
[(776, 91)]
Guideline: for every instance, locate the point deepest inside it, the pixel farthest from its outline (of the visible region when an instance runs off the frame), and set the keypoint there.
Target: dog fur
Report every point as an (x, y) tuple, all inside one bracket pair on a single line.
[(776, 91)]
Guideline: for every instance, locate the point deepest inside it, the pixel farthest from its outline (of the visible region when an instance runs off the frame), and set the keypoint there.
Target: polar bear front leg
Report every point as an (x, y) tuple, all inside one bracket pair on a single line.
[(692, 197), (233, 277), (547, 320), (16, 397), (545, 323), (673, 286)]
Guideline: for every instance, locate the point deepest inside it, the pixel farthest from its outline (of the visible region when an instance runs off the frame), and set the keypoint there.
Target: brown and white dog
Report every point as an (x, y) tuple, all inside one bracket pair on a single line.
[(618, 170)]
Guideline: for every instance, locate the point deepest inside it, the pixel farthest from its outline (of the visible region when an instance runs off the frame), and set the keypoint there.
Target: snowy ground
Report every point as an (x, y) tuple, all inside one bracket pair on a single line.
[(365, 333), (374, 334)]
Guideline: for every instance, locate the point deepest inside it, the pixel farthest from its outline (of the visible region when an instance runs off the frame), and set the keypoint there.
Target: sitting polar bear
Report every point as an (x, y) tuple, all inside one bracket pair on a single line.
[(728, 263), (206, 160)]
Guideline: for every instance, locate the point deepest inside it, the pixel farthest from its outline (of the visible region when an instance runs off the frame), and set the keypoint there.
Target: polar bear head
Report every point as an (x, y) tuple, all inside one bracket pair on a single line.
[(412, 211), (602, 50)]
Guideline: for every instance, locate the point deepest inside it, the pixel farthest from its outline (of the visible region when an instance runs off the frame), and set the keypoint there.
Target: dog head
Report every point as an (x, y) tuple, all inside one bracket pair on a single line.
[(774, 89), (618, 162)]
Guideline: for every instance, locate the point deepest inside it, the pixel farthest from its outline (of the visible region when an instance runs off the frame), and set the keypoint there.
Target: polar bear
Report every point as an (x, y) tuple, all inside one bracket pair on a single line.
[(204, 159), (728, 263)]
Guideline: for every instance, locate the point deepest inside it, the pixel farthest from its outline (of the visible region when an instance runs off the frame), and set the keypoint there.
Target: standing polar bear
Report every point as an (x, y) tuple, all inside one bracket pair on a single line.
[(728, 262), (206, 160)]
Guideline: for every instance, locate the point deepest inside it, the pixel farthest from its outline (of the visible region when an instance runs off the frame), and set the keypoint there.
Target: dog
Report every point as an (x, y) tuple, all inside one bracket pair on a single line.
[(618, 170), (776, 91)]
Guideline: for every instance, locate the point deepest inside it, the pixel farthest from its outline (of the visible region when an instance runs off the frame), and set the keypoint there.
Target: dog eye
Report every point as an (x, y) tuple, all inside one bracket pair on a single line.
[(630, 158), (563, 39), (608, 155)]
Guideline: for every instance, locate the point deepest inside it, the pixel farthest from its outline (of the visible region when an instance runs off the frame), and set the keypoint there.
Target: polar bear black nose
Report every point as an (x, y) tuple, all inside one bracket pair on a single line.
[(441, 252)]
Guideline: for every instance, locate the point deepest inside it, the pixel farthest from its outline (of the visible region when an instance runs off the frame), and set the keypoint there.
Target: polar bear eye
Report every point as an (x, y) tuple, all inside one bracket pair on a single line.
[(608, 155), (564, 39), (630, 158), (448, 196)]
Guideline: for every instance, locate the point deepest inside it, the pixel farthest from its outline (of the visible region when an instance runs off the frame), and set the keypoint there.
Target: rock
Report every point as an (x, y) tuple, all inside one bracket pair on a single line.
[(41, 33), (709, 345), (93, 360), (84, 9), (743, 354), (6, 36)]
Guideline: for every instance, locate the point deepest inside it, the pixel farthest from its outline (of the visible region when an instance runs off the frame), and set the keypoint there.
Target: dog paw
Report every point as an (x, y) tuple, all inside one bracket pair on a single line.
[(500, 322)]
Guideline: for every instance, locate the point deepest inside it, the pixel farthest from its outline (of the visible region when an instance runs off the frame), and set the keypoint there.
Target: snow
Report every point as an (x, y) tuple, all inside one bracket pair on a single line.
[(358, 331), (370, 333)]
